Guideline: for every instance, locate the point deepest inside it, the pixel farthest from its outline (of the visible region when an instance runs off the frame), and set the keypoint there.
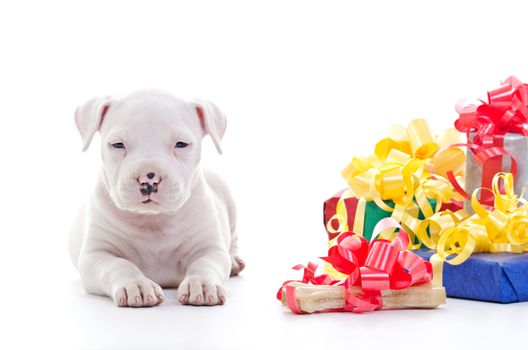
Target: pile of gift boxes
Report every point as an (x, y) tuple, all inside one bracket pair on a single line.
[(458, 194)]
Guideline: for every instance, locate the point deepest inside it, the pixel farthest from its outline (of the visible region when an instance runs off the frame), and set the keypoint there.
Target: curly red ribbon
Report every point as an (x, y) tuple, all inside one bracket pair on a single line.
[(375, 266), (506, 111)]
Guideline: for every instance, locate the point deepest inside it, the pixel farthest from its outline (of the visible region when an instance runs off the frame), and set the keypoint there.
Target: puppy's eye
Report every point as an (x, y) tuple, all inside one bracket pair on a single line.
[(118, 145), (181, 144)]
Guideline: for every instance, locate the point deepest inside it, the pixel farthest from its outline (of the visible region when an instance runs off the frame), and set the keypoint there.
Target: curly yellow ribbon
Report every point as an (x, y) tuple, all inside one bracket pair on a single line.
[(502, 228), (407, 167)]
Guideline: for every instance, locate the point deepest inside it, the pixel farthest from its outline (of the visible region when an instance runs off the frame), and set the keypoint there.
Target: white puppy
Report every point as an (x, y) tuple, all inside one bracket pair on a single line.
[(155, 219)]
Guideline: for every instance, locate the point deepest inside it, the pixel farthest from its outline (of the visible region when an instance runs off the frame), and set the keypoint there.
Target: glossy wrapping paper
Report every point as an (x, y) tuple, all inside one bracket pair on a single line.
[(498, 277)]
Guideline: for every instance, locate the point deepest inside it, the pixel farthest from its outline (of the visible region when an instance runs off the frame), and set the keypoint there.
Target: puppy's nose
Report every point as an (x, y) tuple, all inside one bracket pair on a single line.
[(149, 178), (148, 183)]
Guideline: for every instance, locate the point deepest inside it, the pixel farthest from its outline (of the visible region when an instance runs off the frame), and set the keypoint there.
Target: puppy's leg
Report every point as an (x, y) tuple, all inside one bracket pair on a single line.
[(105, 274), (226, 204), (237, 264), (204, 279)]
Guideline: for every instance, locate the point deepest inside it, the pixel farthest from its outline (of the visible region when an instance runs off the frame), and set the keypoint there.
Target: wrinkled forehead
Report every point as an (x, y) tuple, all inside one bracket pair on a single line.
[(151, 114)]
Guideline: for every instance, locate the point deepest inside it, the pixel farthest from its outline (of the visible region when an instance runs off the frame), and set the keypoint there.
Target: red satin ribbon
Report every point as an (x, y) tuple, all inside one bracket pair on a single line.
[(375, 266), (505, 112)]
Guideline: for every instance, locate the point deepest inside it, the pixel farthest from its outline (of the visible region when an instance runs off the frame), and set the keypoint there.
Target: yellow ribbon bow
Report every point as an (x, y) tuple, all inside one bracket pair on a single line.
[(408, 166)]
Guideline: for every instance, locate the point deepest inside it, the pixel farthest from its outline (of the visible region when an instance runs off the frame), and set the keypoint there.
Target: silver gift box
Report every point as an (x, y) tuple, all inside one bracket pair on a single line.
[(517, 146)]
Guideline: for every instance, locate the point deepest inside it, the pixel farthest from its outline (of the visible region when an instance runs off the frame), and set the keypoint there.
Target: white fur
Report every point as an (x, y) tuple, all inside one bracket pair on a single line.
[(185, 236)]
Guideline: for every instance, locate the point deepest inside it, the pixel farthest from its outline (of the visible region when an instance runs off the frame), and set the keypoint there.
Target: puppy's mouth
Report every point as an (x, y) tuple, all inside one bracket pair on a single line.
[(146, 201)]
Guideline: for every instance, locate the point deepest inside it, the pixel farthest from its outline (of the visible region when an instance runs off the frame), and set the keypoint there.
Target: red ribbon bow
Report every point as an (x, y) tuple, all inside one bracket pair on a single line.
[(506, 111), (375, 266)]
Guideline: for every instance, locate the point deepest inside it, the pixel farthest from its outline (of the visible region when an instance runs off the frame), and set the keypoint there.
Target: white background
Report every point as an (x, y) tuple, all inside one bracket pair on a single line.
[(306, 85)]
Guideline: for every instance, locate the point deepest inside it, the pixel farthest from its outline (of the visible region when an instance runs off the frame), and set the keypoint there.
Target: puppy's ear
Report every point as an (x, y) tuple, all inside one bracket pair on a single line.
[(212, 120), (89, 117)]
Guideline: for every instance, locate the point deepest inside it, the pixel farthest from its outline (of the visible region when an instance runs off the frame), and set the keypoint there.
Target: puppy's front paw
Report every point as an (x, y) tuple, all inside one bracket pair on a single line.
[(138, 292), (198, 290)]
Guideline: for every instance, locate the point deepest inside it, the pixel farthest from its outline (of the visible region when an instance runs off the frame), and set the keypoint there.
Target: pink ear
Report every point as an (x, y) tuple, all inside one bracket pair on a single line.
[(200, 112), (212, 120), (89, 118)]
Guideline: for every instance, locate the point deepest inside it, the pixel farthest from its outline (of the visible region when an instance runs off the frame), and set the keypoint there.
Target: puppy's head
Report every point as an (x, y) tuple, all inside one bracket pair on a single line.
[(150, 145)]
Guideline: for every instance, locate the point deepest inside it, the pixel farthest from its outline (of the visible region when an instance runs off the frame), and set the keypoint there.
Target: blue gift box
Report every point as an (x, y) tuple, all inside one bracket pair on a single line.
[(498, 277)]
